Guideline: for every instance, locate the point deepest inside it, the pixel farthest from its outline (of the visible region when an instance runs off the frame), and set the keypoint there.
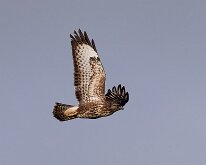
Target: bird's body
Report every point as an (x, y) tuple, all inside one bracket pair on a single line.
[(89, 81)]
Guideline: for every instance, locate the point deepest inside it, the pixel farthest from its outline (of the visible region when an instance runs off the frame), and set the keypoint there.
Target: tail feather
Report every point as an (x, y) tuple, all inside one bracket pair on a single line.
[(64, 112)]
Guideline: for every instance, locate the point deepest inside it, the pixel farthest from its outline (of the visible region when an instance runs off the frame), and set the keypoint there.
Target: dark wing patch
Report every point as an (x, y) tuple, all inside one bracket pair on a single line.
[(82, 39), (118, 95)]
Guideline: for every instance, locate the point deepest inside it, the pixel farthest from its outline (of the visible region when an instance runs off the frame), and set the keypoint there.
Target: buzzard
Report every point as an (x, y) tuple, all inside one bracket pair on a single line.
[(89, 81)]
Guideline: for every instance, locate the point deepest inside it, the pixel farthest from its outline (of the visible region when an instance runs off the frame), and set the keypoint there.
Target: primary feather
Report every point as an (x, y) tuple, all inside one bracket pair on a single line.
[(89, 82)]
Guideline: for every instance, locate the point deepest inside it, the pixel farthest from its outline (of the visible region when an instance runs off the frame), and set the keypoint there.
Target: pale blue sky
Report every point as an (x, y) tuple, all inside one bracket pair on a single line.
[(156, 48)]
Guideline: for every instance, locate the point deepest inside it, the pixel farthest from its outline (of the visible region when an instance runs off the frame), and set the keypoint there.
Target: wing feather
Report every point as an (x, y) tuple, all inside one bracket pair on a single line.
[(89, 75), (118, 95), (97, 81)]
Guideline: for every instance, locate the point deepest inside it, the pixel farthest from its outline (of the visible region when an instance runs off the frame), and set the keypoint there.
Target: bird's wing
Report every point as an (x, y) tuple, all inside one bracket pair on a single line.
[(118, 95), (89, 75)]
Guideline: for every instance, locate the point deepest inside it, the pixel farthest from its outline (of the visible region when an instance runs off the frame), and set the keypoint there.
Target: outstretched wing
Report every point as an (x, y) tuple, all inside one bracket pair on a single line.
[(89, 75)]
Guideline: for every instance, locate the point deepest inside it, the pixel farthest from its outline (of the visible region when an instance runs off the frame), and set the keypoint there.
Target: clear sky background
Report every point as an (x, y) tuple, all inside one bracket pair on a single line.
[(156, 48)]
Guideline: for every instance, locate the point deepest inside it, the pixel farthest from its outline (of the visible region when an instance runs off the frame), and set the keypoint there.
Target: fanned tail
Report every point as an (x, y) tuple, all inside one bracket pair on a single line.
[(65, 112)]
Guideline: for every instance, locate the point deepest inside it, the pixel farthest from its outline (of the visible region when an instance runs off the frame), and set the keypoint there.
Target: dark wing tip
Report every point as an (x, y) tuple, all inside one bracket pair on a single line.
[(82, 38), (118, 94), (93, 45)]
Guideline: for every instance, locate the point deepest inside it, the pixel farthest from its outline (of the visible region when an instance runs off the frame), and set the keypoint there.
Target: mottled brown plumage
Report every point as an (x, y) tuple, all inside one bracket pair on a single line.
[(89, 82)]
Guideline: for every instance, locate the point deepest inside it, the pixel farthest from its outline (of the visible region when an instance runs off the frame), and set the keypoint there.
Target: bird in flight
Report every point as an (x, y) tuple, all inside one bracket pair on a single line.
[(89, 82)]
